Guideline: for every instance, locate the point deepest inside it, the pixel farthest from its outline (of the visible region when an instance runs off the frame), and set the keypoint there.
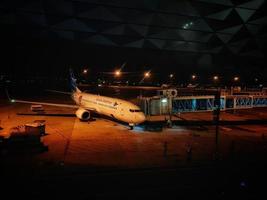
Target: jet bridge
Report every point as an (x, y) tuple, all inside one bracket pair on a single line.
[(169, 103)]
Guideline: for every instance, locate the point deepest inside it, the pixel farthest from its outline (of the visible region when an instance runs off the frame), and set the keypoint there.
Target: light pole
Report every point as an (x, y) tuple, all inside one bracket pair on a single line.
[(216, 116)]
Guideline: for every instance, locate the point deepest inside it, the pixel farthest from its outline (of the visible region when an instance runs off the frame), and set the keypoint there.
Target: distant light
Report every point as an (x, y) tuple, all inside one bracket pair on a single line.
[(256, 79), (236, 78), (147, 74), (194, 76), (171, 75), (13, 100), (117, 72), (164, 100), (85, 71), (191, 23), (215, 78)]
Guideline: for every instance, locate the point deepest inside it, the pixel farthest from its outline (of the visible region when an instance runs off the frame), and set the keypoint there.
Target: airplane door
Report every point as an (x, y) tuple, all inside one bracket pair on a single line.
[(122, 112)]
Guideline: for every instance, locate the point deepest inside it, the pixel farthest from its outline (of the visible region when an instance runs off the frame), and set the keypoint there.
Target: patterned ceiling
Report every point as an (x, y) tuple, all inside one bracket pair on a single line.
[(205, 28)]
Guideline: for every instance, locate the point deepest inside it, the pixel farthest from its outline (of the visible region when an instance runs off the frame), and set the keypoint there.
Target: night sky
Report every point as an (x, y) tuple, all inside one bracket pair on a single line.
[(205, 37)]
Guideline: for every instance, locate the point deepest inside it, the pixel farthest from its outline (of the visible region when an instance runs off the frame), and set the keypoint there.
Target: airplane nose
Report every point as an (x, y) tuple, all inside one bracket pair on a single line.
[(141, 117)]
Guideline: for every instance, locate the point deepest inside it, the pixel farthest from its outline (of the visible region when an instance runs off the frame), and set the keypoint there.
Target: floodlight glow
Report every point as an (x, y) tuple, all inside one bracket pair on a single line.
[(236, 78), (117, 73), (147, 74), (164, 100)]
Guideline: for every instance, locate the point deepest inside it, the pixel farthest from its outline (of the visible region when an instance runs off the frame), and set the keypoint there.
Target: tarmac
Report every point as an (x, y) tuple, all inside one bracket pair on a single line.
[(106, 143), (103, 158)]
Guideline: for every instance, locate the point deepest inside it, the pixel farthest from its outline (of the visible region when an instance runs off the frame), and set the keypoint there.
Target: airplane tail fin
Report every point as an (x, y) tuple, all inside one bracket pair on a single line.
[(73, 84)]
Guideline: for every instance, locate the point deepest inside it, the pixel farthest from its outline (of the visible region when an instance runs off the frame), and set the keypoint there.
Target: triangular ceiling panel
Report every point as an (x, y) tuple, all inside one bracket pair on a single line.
[(231, 30), (55, 19), (236, 47), (167, 34), (217, 24), (253, 53), (81, 36), (148, 44), (158, 20), (135, 44), (201, 25), (182, 7), (260, 21), (118, 30), (69, 35), (216, 49), (101, 40), (222, 15), (225, 51), (243, 33), (74, 24), (100, 13), (130, 31), (234, 18), (245, 14), (222, 2), (158, 43), (214, 41), (250, 45), (224, 37), (254, 4), (240, 43), (121, 40), (142, 30), (144, 19), (208, 8), (253, 29)]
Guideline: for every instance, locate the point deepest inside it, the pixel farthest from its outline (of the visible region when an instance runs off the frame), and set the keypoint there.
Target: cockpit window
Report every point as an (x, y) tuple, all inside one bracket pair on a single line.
[(132, 110)]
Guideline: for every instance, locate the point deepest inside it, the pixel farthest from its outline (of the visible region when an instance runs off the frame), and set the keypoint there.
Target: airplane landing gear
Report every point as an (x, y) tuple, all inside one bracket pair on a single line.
[(131, 126)]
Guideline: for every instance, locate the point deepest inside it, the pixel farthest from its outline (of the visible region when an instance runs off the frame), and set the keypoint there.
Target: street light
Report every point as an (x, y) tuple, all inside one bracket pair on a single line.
[(215, 78), (171, 76), (85, 71), (193, 77), (147, 74), (117, 73), (236, 78)]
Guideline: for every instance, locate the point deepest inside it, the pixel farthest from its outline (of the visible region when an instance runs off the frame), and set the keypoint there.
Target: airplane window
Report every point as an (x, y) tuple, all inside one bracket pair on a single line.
[(131, 110)]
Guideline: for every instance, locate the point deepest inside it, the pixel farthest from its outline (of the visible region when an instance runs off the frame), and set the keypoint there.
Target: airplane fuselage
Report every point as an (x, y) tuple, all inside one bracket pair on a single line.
[(112, 107)]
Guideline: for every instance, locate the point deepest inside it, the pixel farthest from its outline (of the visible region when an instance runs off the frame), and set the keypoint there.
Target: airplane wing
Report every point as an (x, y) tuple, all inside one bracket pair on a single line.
[(44, 103), (60, 92), (47, 104), (41, 103)]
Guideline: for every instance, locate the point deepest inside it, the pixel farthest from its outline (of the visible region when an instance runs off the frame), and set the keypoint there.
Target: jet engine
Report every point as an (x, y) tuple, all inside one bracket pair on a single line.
[(83, 114)]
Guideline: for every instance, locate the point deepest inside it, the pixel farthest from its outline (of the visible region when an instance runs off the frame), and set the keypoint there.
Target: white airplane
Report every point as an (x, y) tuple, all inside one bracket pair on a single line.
[(86, 103)]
